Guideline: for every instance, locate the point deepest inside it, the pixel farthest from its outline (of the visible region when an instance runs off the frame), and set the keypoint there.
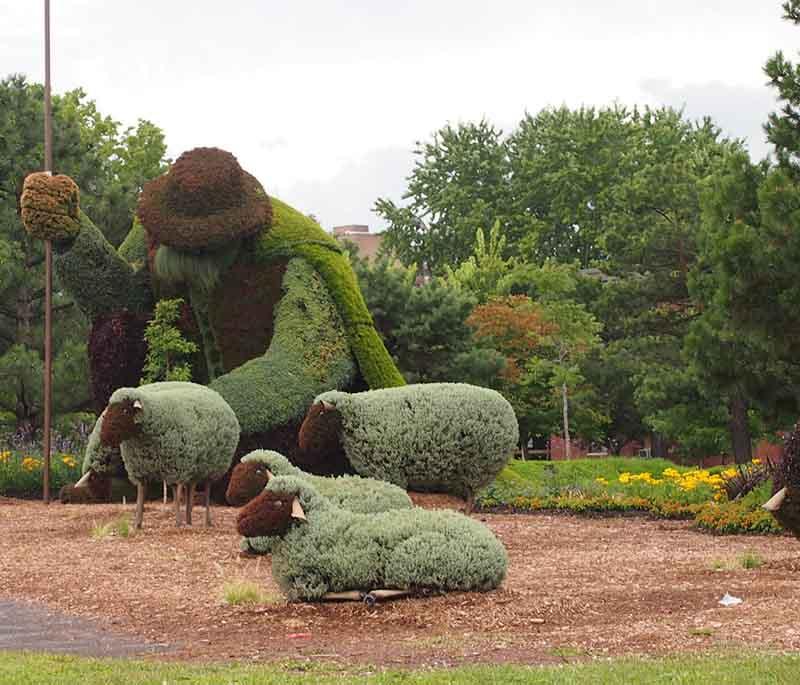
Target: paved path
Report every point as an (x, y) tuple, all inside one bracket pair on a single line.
[(31, 627)]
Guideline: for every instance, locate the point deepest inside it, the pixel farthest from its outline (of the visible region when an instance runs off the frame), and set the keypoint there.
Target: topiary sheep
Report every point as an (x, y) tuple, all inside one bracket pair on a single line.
[(353, 493), (784, 505), (442, 437), (325, 550), (179, 433)]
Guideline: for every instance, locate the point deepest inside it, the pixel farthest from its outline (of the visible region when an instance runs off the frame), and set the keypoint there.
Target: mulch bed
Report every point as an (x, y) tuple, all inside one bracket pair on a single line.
[(577, 588)]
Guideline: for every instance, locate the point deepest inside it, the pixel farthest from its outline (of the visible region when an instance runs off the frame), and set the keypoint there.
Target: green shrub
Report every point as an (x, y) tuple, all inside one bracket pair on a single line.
[(744, 515), (442, 437), (335, 550), (352, 493), (166, 347)]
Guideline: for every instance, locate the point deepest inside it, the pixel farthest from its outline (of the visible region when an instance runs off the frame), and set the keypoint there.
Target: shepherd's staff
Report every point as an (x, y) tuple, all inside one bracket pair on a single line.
[(48, 264)]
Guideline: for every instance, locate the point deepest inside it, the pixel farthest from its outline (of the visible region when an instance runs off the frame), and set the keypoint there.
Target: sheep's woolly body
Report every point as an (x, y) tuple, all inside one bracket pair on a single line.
[(442, 437), (353, 493), (336, 550), (188, 433)]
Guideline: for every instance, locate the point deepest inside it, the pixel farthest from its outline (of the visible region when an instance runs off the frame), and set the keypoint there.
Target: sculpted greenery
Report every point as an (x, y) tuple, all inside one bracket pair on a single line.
[(353, 493), (274, 305), (325, 549), (442, 437), (176, 432)]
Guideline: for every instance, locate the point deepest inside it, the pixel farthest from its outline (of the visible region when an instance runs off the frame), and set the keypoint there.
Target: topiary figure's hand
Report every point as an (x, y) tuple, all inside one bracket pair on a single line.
[(50, 206)]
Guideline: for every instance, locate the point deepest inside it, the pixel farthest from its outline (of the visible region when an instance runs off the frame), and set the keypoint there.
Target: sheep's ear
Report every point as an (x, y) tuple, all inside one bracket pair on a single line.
[(326, 406), (137, 404), (297, 510), (270, 476)]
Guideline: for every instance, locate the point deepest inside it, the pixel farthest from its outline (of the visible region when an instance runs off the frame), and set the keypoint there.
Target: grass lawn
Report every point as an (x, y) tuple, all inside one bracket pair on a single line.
[(755, 669)]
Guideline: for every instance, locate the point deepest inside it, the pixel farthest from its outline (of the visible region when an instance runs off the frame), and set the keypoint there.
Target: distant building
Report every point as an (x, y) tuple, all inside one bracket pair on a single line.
[(367, 243)]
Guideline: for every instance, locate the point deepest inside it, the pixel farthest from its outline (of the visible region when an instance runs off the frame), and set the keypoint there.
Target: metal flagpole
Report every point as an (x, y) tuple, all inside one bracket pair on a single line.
[(48, 264)]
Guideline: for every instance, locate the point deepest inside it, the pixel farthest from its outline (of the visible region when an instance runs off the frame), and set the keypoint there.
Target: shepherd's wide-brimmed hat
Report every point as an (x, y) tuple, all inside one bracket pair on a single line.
[(205, 201)]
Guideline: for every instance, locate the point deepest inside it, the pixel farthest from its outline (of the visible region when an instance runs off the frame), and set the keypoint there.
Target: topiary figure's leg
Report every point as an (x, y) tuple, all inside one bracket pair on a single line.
[(140, 488)]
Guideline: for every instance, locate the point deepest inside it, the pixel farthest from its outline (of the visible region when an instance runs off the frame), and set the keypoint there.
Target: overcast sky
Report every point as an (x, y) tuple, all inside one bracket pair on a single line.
[(324, 100)]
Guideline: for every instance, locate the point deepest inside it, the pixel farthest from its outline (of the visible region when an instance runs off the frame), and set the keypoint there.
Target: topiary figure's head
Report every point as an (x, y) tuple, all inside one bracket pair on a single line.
[(253, 473), (284, 502), (206, 201), (320, 431), (121, 420), (247, 481)]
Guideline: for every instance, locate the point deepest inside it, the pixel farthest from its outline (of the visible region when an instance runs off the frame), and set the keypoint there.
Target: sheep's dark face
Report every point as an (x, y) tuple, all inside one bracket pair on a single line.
[(268, 514), (319, 433), (119, 422), (248, 480)]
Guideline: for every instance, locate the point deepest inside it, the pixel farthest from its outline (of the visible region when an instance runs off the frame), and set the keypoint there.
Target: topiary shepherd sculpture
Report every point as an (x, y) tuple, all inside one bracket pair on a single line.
[(272, 300)]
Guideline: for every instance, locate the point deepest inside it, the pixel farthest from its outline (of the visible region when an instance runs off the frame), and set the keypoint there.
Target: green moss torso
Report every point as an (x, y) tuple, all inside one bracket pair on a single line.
[(295, 235)]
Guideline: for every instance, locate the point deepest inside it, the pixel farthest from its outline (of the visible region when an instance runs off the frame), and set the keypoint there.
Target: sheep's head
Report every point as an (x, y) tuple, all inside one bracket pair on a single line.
[(269, 514), (248, 480), (121, 422), (320, 431)]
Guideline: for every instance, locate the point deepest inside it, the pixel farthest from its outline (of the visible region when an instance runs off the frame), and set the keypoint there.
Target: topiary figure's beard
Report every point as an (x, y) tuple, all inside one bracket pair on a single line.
[(200, 271)]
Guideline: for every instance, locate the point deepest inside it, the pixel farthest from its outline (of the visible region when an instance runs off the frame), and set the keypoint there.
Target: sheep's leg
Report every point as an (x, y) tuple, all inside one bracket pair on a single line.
[(139, 505), (208, 504), (190, 487), (176, 490)]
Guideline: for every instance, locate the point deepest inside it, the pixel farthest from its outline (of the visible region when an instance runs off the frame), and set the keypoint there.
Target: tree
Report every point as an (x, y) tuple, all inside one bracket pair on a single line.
[(424, 327), (109, 165), (783, 128), (458, 185), (167, 349), (481, 273)]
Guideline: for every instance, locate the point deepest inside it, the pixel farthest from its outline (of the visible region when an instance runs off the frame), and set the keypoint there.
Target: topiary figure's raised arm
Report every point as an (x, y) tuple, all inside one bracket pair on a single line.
[(88, 267)]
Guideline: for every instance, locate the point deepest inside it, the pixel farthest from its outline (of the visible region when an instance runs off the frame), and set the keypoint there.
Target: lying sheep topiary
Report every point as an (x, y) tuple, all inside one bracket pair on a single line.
[(353, 493), (440, 437), (325, 550), (179, 433)]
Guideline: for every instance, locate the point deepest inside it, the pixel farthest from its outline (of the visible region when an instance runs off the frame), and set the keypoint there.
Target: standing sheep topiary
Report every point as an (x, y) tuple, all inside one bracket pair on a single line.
[(179, 433), (353, 493), (326, 552), (440, 437)]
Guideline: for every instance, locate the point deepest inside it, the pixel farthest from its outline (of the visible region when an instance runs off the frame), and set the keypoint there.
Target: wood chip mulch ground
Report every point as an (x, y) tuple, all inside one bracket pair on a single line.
[(577, 588)]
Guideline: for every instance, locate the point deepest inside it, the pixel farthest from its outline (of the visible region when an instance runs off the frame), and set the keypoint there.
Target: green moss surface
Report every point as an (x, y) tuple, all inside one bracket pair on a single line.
[(307, 355), (417, 549), (134, 248), (293, 234), (188, 433), (100, 281), (353, 493), (442, 437)]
